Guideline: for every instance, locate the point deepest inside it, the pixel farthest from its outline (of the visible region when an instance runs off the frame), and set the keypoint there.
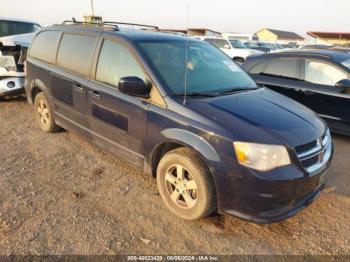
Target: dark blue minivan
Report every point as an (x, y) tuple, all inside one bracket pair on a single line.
[(182, 111)]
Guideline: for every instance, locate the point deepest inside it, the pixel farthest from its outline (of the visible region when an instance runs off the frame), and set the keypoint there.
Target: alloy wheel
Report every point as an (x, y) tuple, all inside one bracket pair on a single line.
[(43, 112), (181, 186)]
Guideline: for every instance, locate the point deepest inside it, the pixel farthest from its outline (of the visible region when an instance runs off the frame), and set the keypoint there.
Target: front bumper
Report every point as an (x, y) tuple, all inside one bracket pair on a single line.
[(11, 86), (273, 196), (277, 209)]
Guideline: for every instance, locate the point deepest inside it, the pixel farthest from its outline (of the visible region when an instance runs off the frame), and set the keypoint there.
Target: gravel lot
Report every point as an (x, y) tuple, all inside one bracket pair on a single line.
[(61, 195)]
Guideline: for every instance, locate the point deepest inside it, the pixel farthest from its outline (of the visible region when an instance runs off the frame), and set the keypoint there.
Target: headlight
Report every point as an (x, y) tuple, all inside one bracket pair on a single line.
[(261, 157)]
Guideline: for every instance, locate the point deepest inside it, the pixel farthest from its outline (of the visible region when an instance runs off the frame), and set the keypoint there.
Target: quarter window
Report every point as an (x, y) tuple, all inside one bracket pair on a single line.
[(75, 53), (322, 73), (45, 46), (115, 62)]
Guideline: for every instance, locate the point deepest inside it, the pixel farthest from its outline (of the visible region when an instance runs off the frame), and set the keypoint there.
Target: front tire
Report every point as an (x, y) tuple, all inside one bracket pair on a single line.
[(185, 184), (44, 114)]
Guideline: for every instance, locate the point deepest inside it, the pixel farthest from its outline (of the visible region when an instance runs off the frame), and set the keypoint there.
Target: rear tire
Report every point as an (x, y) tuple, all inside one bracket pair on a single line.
[(186, 185), (44, 114)]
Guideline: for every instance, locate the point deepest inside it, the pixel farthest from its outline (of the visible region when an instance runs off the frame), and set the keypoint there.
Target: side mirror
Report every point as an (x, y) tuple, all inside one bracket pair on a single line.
[(344, 86), (227, 46), (134, 86)]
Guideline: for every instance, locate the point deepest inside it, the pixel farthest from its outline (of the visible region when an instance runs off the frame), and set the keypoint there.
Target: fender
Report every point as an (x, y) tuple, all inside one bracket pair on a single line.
[(184, 138), (192, 140)]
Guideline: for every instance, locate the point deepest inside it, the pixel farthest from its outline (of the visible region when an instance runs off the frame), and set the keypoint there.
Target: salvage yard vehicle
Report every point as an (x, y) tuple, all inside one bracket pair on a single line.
[(234, 49), (257, 46), (181, 110), (15, 38), (319, 79)]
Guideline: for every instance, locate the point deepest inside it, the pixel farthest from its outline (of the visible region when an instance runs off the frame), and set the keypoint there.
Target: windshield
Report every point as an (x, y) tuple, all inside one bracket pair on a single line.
[(346, 63), (237, 44), (208, 69), (251, 44), (219, 43), (8, 28), (262, 44)]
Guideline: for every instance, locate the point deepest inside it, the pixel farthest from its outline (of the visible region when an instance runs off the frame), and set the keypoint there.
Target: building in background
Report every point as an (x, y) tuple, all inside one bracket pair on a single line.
[(335, 38), (193, 32), (239, 36), (202, 32), (285, 37)]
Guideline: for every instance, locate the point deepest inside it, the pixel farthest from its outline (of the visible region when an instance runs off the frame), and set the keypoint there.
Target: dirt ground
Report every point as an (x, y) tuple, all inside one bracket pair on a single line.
[(61, 195)]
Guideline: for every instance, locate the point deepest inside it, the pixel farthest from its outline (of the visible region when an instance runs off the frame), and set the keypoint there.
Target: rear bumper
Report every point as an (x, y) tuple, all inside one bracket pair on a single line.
[(6, 88)]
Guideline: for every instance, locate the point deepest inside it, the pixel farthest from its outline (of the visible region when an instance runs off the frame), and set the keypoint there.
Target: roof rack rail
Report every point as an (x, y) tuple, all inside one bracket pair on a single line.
[(107, 23), (131, 24), (75, 22)]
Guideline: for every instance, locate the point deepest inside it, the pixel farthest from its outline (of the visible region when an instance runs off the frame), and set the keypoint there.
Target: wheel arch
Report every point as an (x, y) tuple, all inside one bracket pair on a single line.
[(36, 86), (175, 138)]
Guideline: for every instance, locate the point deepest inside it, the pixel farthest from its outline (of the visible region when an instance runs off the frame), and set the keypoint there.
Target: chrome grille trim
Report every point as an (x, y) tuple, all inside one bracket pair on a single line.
[(322, 150)]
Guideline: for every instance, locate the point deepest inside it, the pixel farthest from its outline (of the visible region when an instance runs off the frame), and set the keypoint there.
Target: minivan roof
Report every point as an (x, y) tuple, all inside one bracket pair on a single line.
[(131, 34)]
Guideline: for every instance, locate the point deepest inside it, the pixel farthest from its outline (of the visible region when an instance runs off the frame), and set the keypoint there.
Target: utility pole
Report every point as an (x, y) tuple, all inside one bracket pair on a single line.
[(92, 8)]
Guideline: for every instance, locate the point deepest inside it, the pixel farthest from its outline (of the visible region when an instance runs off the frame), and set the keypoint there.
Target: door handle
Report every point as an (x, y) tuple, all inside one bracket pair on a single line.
[(94, 94), (78, 87)]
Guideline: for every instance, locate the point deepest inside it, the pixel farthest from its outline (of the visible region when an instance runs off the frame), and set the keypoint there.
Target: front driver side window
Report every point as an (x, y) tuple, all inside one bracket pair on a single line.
[(115, 62), (322, 73)]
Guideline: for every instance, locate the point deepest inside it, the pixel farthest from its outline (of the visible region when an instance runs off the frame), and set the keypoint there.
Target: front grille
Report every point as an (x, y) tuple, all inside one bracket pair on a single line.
[(313, 156), (310, 161), (304, 148)]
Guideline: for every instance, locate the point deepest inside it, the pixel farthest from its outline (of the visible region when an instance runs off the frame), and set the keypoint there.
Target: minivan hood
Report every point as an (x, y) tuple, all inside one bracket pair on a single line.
[(262, 116)]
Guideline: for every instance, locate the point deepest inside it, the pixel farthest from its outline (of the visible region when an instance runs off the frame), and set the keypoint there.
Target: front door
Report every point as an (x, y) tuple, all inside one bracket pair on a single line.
[(282, 75), (117, 121), (327, 100)]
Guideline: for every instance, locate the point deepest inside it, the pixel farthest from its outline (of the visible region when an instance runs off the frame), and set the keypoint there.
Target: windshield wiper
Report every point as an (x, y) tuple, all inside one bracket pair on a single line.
[(237, 89), (198, 94), (218, 93)]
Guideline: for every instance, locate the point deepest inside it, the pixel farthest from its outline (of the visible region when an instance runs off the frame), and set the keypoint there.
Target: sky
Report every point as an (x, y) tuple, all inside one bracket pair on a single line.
[(242, 16)]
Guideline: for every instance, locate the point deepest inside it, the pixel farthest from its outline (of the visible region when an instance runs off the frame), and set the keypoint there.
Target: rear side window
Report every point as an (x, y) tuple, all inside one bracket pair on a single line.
[(45, 46), (116, 61), (75, 53), (287, 67)]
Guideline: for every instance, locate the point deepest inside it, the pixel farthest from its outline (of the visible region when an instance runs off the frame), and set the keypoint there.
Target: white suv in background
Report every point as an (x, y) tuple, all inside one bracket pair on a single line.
[(233, 48), (15, 38)]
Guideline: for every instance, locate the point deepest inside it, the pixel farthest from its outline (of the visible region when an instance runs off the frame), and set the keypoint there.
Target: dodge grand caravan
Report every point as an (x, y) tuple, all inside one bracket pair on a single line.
[(184, 112)]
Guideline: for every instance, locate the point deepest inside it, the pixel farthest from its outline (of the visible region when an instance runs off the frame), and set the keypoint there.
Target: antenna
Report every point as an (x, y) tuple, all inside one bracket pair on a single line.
[(92, 8), (186, 56)]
